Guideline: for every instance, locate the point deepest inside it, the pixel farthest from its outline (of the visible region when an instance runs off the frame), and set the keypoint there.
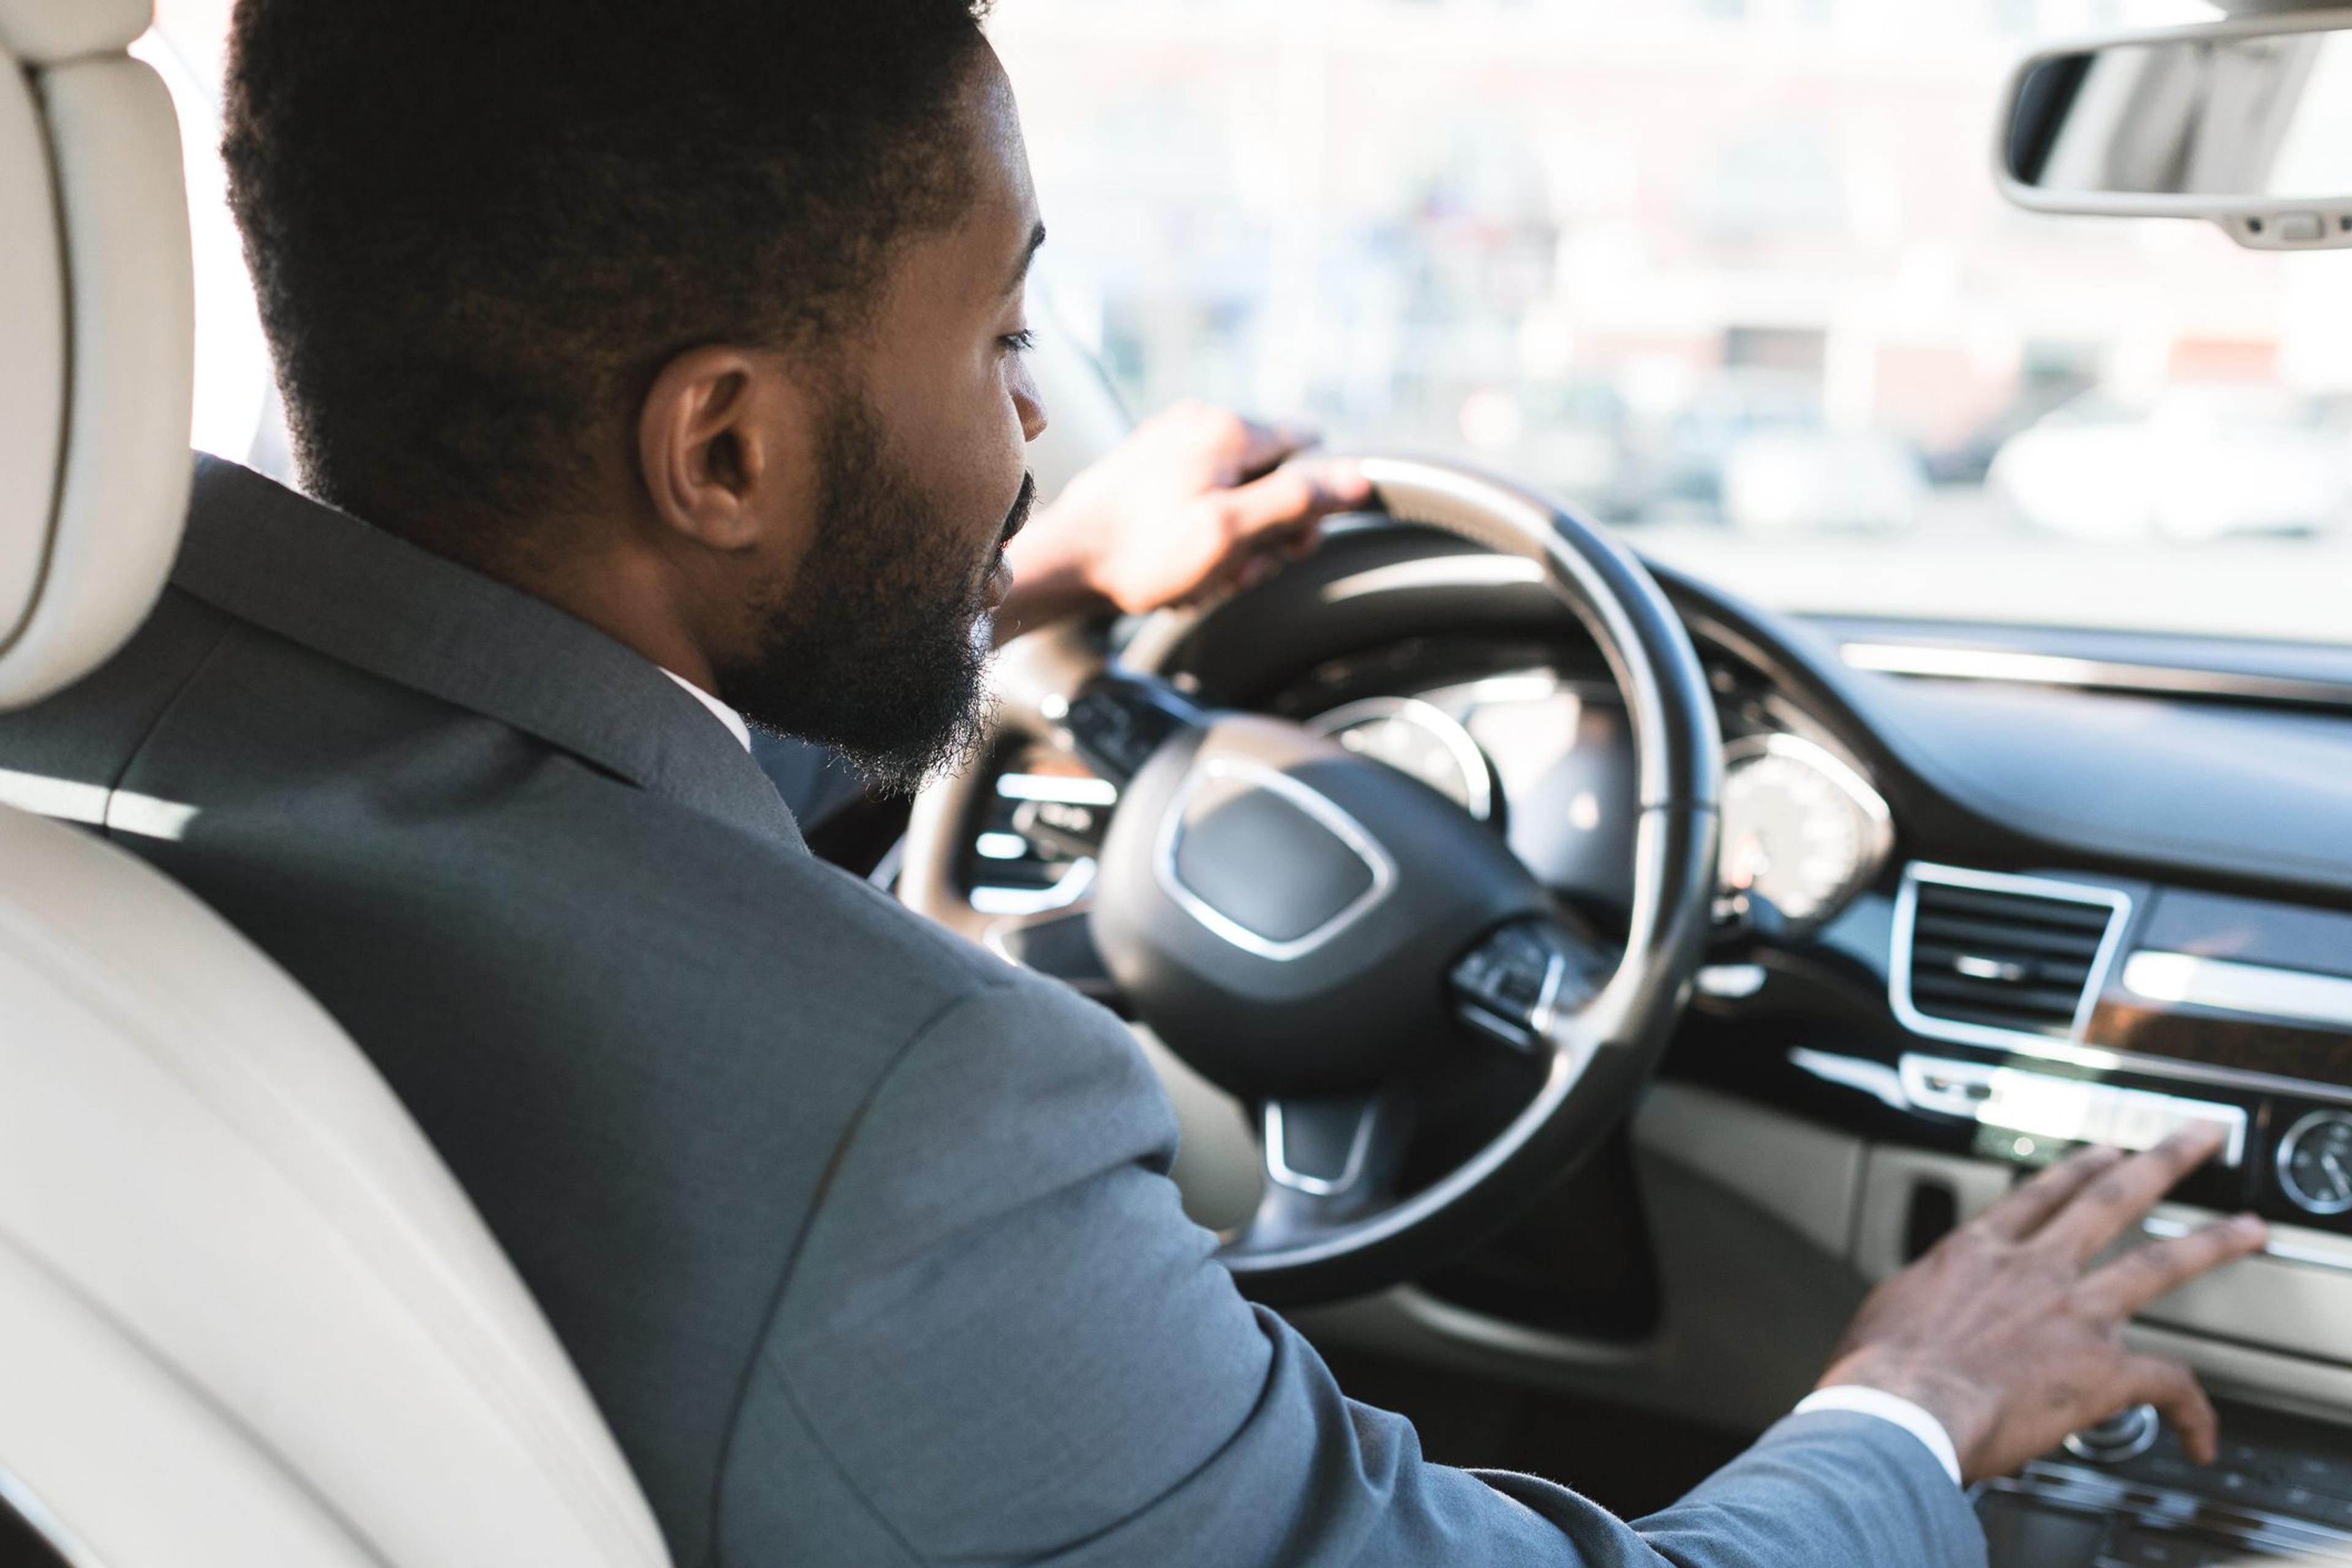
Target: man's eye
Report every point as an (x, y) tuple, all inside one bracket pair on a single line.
[(1020, 343)]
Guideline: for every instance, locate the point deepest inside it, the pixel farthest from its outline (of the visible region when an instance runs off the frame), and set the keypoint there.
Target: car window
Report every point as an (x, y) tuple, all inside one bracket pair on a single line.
[(1731, 274)]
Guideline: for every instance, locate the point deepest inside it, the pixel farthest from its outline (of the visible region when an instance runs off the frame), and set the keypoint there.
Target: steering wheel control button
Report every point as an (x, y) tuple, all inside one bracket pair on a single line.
[(2126, 1436), (1115, 723), (1509, 985)]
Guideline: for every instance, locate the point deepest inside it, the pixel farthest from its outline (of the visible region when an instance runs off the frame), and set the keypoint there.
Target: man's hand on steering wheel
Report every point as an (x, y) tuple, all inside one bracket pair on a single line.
[(1196, 500)]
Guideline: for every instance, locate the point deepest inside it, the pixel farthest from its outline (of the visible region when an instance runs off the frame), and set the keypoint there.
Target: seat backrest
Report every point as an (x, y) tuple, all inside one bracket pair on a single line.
[(246, 1316)]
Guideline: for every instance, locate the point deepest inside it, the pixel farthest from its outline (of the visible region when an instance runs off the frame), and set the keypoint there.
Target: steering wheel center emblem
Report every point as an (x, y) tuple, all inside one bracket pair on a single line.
[(1266, 862)]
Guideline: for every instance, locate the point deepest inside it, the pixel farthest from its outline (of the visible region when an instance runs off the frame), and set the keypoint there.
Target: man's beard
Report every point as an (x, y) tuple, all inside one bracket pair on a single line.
[(879, 649)]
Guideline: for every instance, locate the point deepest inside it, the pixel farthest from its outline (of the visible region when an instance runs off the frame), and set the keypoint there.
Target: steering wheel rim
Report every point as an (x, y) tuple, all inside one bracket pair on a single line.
[(1322, 1239)]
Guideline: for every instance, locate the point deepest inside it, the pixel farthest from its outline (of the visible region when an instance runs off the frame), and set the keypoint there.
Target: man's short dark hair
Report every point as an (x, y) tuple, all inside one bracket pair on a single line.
[(479, 227)]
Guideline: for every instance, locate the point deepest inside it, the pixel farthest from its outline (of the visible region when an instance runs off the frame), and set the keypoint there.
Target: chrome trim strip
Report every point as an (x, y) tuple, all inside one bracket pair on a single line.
[(1346, 828), (994, 899), (1057, 788), (18, 1499), (1876, 1079), (1480, 571), (2069, 1110), (2098, 1060), (2228, 986), (1545, 1013), (1437, 721), (1732, 981), (2159, 1228), (1277, 1163), (1898, 977), (2008, 666)]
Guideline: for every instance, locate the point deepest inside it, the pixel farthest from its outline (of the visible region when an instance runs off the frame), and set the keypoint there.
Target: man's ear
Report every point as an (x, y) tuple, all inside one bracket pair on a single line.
[(724, 433)]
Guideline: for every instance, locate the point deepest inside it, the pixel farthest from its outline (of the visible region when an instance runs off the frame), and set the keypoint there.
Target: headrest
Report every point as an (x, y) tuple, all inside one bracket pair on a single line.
[(97, 310), (48, 32)]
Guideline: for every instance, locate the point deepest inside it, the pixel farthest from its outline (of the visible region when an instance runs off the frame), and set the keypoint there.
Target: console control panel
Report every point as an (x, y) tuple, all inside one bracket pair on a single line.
[(2122, 1495)]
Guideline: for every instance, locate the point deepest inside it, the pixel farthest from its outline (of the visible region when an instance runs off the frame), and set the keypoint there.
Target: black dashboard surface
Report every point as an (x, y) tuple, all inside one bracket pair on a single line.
[(2238, 796)]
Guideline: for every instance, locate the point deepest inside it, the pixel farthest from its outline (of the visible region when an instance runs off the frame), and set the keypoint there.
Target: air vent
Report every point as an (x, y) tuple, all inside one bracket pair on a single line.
[(1993, 959)]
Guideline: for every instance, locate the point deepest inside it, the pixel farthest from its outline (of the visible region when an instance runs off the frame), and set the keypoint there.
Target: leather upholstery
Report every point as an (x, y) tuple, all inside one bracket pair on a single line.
[(96, 279), (246, 1317), (189, 1145), (44, 32)]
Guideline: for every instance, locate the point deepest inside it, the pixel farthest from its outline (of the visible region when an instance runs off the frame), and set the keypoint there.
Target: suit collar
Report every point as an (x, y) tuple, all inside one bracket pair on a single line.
[(326, 579)]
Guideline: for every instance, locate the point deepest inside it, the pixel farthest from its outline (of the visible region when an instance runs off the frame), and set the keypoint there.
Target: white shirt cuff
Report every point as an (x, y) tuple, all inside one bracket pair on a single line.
[(1861, 1401)]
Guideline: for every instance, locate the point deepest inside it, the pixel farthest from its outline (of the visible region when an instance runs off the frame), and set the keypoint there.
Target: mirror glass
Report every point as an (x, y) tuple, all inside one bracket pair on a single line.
[(2229, 118)]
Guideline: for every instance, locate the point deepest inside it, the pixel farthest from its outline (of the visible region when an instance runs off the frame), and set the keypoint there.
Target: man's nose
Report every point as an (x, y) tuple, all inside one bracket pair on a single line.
[(1031, 403)]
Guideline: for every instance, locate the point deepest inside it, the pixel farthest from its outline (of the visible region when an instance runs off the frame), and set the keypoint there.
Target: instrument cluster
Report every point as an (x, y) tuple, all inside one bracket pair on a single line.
[(1547, 756)]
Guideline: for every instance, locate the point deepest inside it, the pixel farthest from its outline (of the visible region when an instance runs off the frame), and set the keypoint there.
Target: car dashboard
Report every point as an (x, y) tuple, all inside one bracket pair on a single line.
[(1985, 895)]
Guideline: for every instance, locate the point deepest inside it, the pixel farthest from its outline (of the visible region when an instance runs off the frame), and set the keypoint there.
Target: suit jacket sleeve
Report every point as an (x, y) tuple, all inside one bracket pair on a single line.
[(999, 1341)]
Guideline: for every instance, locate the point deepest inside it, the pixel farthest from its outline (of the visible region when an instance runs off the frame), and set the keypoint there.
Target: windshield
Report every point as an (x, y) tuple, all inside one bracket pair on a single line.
[(1731, 274)]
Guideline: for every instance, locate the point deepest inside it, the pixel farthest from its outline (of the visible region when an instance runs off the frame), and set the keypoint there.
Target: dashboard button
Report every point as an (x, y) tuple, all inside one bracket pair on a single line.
[(2125, 1436)]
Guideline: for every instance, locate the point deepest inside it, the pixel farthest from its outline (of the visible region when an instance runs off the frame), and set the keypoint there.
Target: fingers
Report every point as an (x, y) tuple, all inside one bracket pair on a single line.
[(1294, 497), (2172, 1389), (2146, 1273), (2028, 1206), (1263, 447), (2120, 1198)]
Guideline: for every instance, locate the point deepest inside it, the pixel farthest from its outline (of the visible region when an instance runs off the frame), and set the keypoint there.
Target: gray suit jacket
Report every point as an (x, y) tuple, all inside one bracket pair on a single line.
[(862, 1238)]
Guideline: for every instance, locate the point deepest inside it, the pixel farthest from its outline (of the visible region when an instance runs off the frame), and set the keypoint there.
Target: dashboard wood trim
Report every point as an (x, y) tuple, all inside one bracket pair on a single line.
[(2292, 1057)]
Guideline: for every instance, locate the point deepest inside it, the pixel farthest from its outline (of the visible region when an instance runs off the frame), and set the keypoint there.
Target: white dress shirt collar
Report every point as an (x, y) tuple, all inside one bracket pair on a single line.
[(719, 710)]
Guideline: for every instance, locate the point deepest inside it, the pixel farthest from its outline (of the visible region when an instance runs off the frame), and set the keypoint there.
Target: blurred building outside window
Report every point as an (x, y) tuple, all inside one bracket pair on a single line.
[(1731, 274)]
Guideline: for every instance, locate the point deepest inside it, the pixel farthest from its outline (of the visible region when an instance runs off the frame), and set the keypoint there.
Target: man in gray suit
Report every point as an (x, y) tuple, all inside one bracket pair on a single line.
[(672, 355)]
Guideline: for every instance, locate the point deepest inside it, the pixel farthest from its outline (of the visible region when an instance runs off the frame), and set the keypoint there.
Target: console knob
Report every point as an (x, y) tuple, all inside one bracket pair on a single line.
[(2126, 1436)]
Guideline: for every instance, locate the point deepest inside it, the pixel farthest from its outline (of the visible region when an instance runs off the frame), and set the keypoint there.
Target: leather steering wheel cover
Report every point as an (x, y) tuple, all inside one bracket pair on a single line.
[(1677, 744), (1679, 759), (1678, 749)]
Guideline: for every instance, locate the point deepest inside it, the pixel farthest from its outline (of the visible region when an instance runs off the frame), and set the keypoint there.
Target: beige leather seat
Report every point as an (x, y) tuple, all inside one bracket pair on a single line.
[(245, 1318)]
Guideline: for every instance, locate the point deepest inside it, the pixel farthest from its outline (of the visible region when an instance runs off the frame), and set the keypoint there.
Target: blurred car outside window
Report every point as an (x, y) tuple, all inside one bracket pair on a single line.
[(1731, 274)]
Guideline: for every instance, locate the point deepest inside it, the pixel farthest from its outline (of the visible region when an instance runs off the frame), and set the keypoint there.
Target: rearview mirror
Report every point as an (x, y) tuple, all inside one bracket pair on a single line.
[(2247, 123)]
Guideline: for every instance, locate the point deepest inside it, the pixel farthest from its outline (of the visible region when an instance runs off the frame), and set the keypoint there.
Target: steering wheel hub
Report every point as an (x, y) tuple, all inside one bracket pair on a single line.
[(1285, 912), (1326, 938)]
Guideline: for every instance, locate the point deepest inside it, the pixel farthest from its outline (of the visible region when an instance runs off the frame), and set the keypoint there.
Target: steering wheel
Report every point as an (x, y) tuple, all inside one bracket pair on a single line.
[(1326, 939)]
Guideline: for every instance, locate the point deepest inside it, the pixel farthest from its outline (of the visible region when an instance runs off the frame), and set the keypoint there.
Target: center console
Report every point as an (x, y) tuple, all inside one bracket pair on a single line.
[(2122, 1495)]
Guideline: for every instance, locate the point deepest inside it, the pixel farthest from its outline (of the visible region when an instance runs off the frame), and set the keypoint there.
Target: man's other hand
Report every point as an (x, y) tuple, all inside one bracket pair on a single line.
[(2007, 1335), (1194, 500)]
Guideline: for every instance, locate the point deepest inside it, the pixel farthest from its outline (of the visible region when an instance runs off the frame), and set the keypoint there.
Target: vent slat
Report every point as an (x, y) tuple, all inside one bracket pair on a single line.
[(2084, 943), (2023, 907), (2044, 1001), (2014, 962), (1993, 1019), (1941, 957)]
